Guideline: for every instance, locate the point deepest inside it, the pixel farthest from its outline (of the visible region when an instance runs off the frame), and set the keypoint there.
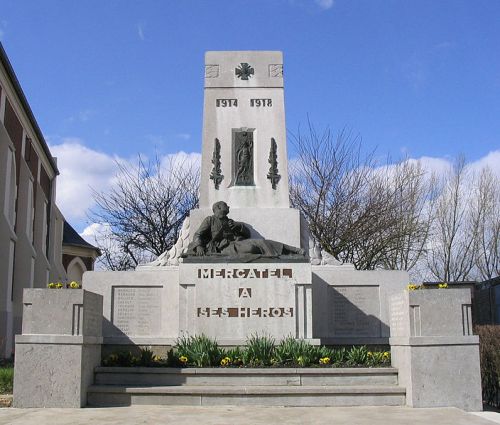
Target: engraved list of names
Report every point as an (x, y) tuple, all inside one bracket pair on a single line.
[(137, 310), (356, 311)]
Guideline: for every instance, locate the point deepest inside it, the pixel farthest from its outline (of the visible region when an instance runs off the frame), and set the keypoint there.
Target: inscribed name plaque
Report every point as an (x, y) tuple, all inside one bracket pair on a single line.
[(231, 301), (355, 311), (136, 310)]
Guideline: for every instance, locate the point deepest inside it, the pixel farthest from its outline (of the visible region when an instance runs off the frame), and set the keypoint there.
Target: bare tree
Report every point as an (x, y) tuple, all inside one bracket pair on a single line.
[(486, 217), (452, 253), (413, 194), (369, 216), (144, 210)]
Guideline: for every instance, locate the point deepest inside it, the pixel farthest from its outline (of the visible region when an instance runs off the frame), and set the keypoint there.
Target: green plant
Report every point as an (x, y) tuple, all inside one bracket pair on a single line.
[(357, 356), (377, 358), (6, 379), (339, 357), (235, 355), (489, 348), (259, 350), (199, 351), (146, 357), (172, 359), (121, 358), (286, 351), (291, 351)]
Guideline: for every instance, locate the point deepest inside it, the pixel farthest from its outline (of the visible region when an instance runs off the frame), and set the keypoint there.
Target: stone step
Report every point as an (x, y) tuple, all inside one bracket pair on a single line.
[(145, 377), (277, 395)]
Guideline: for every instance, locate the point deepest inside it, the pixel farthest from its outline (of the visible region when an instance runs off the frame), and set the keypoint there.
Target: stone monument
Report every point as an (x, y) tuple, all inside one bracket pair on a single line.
[(258, 276), (243, 265)]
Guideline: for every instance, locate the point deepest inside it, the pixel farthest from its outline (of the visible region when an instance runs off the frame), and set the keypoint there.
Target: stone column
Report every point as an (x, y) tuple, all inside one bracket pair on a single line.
[(433, 347), (59, 347)]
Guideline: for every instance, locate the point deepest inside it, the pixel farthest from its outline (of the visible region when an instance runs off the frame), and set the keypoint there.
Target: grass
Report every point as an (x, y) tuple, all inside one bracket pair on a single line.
[(6, 379)]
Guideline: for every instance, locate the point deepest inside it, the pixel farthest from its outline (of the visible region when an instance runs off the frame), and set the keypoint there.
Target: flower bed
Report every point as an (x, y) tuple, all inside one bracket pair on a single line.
[(259, 351)]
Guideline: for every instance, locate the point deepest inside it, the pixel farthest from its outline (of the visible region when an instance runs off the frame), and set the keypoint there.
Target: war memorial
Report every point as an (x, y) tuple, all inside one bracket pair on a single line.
[(244, 264)]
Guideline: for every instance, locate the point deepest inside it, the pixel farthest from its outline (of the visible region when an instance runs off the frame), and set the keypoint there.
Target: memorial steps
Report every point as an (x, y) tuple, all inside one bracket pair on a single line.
[(115, 386)]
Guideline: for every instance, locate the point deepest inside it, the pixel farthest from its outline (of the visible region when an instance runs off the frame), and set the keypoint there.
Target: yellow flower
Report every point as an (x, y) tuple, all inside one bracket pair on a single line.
[(442, 285), (74, 285), (225, 361), (156, 358), (51, 285), (59, 285), (183, 359), (369, 354), (324, 360), (386, 354)]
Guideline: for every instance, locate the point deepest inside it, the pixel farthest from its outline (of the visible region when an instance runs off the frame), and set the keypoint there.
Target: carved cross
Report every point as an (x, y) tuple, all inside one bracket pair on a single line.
[(244, 71)]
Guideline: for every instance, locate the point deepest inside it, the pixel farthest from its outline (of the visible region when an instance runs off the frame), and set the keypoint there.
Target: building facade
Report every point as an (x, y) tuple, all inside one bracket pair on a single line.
[(31, 225)]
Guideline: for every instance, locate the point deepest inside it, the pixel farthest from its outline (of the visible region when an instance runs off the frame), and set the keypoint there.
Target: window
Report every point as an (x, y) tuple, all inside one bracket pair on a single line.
[(10, 189)]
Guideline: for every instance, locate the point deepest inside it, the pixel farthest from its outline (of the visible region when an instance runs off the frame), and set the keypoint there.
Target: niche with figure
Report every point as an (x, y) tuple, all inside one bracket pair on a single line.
[(243, 157)]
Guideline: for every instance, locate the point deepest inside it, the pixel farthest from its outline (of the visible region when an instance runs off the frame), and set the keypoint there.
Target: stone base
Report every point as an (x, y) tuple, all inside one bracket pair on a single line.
[(54, 373), (433, 347), (439, 371), (230, 302), (226, 301), (59, 348)]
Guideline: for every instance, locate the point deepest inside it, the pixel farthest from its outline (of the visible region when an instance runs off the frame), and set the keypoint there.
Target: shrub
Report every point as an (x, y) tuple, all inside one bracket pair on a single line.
[(291, 351), (235, 356), (339, 357), (489, 346), (146, 357), (259, 350), (6, 379), (199, 351), (357, 356), (377, 358)]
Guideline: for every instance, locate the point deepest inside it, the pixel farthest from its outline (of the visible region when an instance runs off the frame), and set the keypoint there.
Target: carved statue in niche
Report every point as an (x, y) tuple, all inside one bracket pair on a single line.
[(219, 236), (244, 158)]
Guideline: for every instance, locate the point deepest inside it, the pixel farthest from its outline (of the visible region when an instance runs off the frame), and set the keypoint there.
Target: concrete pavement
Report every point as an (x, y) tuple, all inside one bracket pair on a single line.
[(183, 415)]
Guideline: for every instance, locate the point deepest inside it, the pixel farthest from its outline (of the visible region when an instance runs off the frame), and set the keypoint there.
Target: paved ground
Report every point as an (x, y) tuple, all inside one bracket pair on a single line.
[(246, 416)]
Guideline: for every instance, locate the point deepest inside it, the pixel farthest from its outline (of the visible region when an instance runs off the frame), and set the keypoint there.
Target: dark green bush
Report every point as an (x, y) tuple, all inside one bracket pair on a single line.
[(489, 347), (6, 379)]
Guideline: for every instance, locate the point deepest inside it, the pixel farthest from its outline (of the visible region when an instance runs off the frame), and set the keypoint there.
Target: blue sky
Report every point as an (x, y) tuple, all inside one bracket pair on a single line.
[(118, 78)]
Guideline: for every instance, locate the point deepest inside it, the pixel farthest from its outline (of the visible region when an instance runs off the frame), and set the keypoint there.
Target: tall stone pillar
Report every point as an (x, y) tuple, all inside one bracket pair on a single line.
[(244, 155)]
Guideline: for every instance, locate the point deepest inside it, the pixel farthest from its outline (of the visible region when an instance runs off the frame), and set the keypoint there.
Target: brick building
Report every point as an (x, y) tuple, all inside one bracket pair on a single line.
[(31, 225)]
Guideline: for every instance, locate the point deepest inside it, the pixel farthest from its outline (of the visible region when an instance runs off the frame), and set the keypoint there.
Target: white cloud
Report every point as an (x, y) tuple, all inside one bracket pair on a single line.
[(83, 169), (140, 30), (492, 161), (325, 4)]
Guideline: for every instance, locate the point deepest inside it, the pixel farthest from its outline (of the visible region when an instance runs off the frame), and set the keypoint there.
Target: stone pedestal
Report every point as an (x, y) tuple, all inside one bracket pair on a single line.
[(59, 348), (231, 301), (434, 350)]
